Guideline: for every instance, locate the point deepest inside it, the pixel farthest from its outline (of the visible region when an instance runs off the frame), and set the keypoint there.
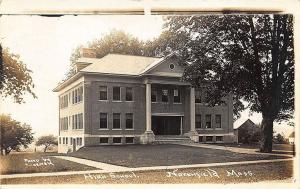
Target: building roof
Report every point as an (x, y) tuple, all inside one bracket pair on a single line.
[(292, 135), (119, 64), (248, 123)]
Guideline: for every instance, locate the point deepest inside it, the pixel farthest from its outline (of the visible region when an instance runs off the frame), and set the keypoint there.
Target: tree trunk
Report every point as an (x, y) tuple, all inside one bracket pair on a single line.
[(266, 135)]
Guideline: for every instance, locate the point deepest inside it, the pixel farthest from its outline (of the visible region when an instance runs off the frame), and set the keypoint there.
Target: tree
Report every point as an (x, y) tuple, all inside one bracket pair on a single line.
[(14, 135), (46, 141), (114, 42), (15, 78), (279, 139), (248, 56)]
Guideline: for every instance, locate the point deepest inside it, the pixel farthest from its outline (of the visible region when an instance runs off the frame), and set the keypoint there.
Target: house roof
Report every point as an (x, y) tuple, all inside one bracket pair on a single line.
[(248, 123), (120, 64), (292, 135)]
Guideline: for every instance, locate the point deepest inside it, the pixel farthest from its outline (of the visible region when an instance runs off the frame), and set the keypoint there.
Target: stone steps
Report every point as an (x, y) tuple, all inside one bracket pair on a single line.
[(169, 139)]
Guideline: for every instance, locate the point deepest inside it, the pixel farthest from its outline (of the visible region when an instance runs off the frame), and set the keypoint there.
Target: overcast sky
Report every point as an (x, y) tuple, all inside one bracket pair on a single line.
[(45, 45)]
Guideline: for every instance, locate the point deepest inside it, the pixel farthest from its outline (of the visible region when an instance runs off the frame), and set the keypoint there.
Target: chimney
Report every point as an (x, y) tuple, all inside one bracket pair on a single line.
[(87, 53)]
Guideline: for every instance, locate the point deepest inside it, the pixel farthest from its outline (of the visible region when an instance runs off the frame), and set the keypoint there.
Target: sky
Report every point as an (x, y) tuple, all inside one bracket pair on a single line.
[(45, 45)]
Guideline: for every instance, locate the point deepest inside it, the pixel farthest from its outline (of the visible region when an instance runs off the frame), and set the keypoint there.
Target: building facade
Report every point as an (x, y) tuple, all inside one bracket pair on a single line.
[(124, 99)]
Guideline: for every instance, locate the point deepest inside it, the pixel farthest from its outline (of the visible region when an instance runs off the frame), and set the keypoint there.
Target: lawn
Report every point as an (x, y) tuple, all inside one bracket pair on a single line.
[(284, 147), (37, 163), (163, 155), (259, 172)]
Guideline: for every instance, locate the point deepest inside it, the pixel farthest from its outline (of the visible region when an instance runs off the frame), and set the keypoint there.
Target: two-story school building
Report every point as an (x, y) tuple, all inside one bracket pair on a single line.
[(125, 99)]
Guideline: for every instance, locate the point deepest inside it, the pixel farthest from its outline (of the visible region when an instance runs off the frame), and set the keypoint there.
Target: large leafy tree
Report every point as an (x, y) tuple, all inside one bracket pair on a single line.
[(14, 135), (46, 141), (248, 56), (15, 78), (114, 42)]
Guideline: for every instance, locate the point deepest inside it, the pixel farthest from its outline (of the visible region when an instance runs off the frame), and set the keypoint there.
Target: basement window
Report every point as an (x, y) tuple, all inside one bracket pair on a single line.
[(209, 138), (117, 140), (103, 140), (129, 140)]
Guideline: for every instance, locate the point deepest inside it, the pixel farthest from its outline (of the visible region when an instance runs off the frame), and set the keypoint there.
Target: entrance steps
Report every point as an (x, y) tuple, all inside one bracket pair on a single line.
[(172, 139)]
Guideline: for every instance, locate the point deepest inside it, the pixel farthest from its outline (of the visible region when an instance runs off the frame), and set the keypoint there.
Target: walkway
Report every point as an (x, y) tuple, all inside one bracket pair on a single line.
[(96, 164), (234, 149), (126, 169)]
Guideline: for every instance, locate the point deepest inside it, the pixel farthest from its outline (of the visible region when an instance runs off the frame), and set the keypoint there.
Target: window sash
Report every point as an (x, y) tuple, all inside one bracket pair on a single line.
[(218, 121), (103, 93), (177, 96), (153, 96), (164, 95), (208, 121), (117, 93), (116, 121), (198, 121), (129, 94), (103, 120), (129, 121)]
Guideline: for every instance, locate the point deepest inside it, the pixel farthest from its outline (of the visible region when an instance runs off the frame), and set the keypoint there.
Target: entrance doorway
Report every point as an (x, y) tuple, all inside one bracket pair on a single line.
[(166, 125)]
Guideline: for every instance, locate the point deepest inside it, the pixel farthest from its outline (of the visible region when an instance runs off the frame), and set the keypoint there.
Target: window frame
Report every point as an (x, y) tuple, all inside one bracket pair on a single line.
[(117, 142), (207, 121), (116, 100), (103, 138), (106, 96), (162, 95), (179, 96), (132, 121), (100, 128), (113, 117), (216, 124), (153, 93), (200, 121), (131, 94)]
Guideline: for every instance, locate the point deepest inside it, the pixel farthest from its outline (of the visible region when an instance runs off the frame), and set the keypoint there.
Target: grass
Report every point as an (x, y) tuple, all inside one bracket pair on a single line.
[(163, 155), (285, 147), (260, 172), (15, 163)]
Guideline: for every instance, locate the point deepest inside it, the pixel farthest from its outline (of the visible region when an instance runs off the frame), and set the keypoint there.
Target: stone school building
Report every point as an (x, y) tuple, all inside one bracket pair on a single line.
[(125, 99)]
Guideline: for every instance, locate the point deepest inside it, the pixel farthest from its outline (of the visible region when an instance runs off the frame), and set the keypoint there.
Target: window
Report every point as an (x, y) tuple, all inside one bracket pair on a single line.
[(197, 96), (63, 123), (63, 140), (67, 140), (153, 95), (116, 93), (79, 141), (208, 121), (117, 140), (103, 93), (77, 121), (71, 141), (103, 120), (59, 140), (129, 121), (198, 121), (200, 138), (129, 140), (129, 96), (177, 96), (218, 121), (171, 66), (116, 121), (219, 138), (63, 101), (209, 138), (103, 140), (164, 95), (77, 95)]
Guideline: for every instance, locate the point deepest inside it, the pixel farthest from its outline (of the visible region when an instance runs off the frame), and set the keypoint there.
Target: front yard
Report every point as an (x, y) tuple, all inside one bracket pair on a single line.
[(279, 171), (163, 155), (37, 163)]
